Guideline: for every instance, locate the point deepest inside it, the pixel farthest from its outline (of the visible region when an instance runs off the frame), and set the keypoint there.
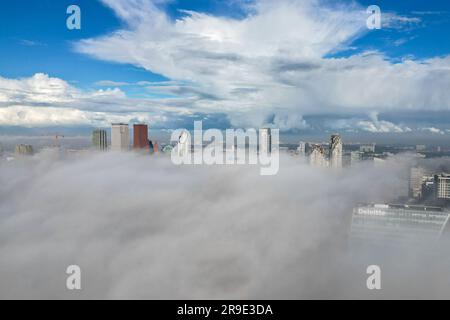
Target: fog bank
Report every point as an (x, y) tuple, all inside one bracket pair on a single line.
[(140, 227)]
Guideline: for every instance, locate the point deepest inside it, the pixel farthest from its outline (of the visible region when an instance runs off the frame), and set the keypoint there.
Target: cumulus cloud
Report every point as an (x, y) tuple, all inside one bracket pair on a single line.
[(273, 66), (434, 130), (42, 100), (273, 61), (141, 227), (370, 123)]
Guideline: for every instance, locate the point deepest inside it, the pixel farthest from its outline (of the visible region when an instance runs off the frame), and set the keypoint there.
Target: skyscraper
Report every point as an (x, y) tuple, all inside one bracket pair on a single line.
[(442, 186), (265, 141), (356, 157), (120, 138), (336, 151), (367, 148), (184, 142), (140, 136), (301, 150), (317, 157), (416, 178), (100, 139), (23, 150), (397, 224)]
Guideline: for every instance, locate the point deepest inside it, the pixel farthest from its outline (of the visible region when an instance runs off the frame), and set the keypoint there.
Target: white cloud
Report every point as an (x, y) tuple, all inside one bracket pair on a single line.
[(273, 61), (142, 228), (269, 66), (109, 83), (370, 124), (41, 100), (434, 130)]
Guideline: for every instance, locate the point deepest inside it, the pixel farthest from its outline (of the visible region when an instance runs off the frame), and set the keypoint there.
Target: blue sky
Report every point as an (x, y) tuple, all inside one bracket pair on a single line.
[(42, 22), (34, 40)]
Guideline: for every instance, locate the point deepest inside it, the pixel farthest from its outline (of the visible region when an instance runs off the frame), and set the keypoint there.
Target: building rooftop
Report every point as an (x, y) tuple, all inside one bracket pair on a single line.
[(406, 207)]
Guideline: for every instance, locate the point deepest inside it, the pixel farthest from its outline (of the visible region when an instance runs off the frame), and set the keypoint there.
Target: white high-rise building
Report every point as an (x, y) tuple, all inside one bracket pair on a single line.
[(317, 157), (416, 179), (398, 224), (184, 144), (336, 151), (367, 148), (301, 148), (356, 157), (265, 141), (120, 137)]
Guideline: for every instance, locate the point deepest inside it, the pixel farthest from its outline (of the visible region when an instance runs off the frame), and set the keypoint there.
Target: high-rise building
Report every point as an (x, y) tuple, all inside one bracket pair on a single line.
[(301, 150), (317, 157), (397, 224), (140, 136), (416, 177), (23, 150), (184, 144), (421, 147), (120, 137), (100, 139), (367, 148), (265, 141), (427, 188), (442, 186), (336, 151), (356, 157)]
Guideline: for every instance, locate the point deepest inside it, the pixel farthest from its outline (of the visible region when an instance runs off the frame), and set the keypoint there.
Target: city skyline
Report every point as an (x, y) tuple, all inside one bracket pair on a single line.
[(224, 150)]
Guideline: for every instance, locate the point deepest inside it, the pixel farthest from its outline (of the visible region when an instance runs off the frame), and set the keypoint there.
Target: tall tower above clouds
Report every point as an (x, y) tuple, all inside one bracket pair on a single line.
[(140, 136), (265, 141), (120, 137), (317, 157), (336, 151)]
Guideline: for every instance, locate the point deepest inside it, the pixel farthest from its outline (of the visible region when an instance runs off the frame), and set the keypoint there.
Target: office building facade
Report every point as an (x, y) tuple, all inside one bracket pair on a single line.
[(24, 150), (120, 137), (140, 136), (317, 157), (397, 224), (100, 139), (336, 151), (265, 141), (442, 186)]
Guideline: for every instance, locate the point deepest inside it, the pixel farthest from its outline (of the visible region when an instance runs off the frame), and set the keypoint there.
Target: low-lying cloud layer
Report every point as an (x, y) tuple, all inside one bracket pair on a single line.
[(140, 227)]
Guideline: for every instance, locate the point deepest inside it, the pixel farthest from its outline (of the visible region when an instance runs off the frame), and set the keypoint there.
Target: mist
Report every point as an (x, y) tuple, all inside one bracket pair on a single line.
[(142, 228)]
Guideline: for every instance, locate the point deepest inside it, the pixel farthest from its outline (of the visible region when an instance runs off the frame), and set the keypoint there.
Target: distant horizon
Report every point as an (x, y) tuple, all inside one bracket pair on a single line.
[(163, 135)]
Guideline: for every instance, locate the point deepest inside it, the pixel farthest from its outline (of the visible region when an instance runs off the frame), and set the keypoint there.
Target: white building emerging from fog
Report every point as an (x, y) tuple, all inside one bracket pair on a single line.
[(301, 150), (265, 141), (397, 224), (367, 148), (417, 177), (336, 151), (120, 137), (23, 150), (318, 157), (184, 144)]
